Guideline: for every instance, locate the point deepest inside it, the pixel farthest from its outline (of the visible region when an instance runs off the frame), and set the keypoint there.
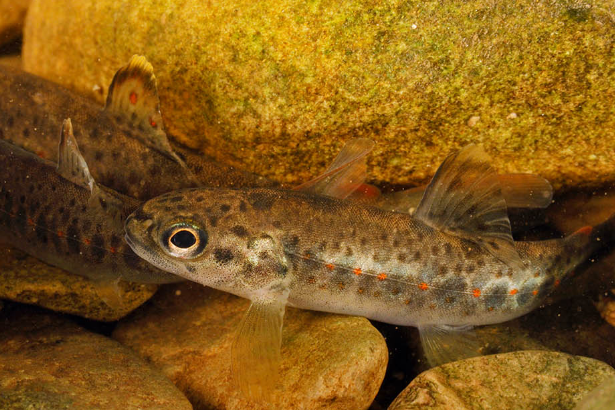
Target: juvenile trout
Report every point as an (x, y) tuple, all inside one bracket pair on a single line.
[(453, 264), (46, 214), (124, 144)]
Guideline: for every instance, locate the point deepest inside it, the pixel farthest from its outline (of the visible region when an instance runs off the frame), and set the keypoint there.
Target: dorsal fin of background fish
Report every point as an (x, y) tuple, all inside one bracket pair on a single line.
[(346, 174), (73, 167), (133, 100), (465, 199)]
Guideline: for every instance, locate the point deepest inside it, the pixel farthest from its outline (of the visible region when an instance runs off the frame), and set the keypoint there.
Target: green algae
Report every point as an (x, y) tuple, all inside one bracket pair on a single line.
[(276, 86)]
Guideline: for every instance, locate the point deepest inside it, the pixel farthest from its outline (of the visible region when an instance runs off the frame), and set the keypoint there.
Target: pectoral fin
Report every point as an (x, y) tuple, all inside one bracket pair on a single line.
[(255, 354), (346, 174), (444, 344), (109, 291)]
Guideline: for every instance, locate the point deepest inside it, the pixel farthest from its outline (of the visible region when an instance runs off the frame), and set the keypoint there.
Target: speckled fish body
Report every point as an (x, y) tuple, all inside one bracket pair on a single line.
[(450, 265), (342, 257), (51, 218), (118, 151)]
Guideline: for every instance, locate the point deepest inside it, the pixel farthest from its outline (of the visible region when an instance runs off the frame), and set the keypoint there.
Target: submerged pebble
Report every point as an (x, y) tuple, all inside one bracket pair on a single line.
[(27, 280), (48, 362), (519, 380), (328, 361)]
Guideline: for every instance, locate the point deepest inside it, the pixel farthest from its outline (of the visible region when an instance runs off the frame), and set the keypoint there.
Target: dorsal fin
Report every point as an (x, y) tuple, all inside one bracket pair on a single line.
[(71, 164), (346, 174), (133, 96), (133, 100), (73, 167), (465, 199)]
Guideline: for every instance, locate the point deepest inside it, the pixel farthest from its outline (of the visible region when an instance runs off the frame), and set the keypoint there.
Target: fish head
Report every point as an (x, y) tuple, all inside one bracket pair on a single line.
[(210, 236)]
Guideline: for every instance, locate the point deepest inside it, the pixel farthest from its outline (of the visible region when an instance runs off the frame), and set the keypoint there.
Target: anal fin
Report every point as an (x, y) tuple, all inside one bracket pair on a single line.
[(255, 354), (444, 344)]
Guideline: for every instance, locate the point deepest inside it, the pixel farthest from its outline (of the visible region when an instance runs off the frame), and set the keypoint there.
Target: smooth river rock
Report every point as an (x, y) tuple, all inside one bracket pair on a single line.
[(277, 86), (328, 361), (27, 280), (48, 362), (520, 380)]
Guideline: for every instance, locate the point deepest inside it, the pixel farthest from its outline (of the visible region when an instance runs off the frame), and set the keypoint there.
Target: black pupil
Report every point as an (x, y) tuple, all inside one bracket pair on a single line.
[(183, 239)]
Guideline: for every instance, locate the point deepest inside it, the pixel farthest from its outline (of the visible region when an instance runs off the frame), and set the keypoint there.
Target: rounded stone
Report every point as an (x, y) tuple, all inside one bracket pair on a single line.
[(277, 86)]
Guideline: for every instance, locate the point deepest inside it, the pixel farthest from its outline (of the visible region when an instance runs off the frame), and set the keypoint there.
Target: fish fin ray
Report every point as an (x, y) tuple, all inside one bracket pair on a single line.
[(255, 353), (133, 98), (72, 166), (444, 344), (465, 199), (109, 292), (526, 190), (346, 173)]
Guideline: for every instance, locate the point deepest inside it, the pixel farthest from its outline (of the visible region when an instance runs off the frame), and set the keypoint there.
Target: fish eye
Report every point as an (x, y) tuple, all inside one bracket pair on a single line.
[(184, 240)]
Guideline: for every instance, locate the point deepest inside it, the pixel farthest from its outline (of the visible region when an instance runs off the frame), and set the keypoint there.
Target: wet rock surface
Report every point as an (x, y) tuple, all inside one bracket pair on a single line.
[(27, 280), (48, 362), (277, 86), (12, 16), (519, 380), (328, 361)]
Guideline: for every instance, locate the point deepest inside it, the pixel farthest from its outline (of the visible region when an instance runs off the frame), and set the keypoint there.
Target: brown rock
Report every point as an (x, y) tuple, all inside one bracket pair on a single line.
[(328, 361), (47, 362), (12, 16), (277, 86), (27, 280), (606, 307), (520, 380)]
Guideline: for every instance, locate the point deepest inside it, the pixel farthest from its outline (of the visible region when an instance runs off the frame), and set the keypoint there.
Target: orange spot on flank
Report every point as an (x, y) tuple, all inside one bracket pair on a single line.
[(87, 241), (357, 271), (514, 291), (476, 293), (112, 249), (30, 221), (382, 276), (41, 154), (490, 308), (133, 98), (60, 234), (534, 292), (152, 122), (586, 230), (556, 283), (329, 266), (423, 286)]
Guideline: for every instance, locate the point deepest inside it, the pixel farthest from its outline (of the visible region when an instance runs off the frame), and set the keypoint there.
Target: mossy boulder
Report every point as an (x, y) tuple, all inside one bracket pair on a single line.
[(276, 86)]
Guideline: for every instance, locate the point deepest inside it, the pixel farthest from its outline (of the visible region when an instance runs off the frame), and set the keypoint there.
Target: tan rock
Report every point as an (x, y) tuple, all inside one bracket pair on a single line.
[(47, 362), (12, 16), (276, 86), (520, 380), (27, 280), (328, 361), (606, 307)]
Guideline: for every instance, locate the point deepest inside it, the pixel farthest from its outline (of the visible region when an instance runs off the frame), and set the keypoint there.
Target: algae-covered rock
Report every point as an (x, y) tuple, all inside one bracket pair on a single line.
[(27, 280), (12, 16), (276, 86), (519, 380), (47, 362), (328, 361)]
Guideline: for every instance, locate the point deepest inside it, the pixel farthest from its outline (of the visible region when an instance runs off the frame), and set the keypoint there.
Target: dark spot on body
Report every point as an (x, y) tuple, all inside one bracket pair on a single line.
[(41, 228), (435, 250), (277, 224), (448, 248), (242, 206), (261, 201), (496, 296), (401, 257), (384, 236), (22, 199), (395, 243), (223, 255), (73, 238), (225, 208), (97, 249), (213, 220), (241, 231), (349, 251), (10, 121), (72, 202), (363, 242), (417, 255), (98, 155)]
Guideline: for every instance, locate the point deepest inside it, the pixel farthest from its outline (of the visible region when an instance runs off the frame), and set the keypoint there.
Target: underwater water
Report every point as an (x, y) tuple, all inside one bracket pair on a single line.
[(240, 96)]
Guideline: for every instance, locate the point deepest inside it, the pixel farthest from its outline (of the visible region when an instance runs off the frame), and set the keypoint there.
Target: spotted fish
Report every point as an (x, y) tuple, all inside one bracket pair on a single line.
[(124, 143), (49, 211), (451, 265)]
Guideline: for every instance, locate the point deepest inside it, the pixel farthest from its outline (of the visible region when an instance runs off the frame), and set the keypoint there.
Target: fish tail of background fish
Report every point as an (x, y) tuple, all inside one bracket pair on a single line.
[(51, 218)]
